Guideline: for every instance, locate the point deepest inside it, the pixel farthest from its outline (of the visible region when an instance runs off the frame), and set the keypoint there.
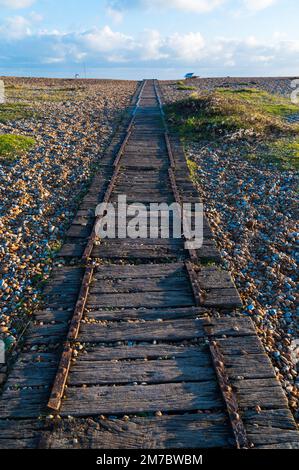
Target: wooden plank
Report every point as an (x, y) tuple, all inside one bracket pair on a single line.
[(141, 398), (48, 316), (150, 372), (20, 443), (149, 243), (265, 437), (66, 271), (196, 430), (85, 220), (250, 367), (273, 419), (144, 184), (273, 428), (16, 429), (155, 178), (222, 298), (127, 271), (211, 277), (148, 299), (178, 330), (208, 252), (130, 253), (32, 374), (287, 445), (72, 250), (148, 351), (23, 403), (230, 327), (145, 314), (143, 285), (79, 231), (265, 393), (133, 191), (37, 357), (248, 360), (145, 199), (46, 334), (240, 346), (23, 434)]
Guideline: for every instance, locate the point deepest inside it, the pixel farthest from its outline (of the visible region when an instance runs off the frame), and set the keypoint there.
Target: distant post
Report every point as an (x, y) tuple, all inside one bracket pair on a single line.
[(2, 92)]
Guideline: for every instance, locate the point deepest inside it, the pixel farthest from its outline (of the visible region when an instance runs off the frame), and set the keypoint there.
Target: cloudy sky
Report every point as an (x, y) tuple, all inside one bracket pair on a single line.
[(144, 38)]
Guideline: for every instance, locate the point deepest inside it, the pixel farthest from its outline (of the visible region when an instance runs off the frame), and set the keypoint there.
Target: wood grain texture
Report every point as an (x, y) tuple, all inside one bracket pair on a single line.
[(125, 399), (197, 431)]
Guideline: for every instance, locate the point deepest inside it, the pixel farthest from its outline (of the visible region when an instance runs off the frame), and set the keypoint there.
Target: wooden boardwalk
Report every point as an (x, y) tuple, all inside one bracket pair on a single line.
[(139, 344)]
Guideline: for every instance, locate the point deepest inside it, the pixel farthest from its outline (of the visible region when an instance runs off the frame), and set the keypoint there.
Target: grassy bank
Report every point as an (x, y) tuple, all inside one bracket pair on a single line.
[(248, 114), (44, 93)]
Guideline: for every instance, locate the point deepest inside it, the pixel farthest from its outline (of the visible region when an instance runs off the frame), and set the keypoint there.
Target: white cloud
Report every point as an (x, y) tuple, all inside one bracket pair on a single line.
[(256, 5), (15, 28), (196, 6), (36, 17), (53, 60), (251, 41), (265, 59), (187, 47), (115, 15), (152, 45), (17, 4), (21, 44), (106, 40)]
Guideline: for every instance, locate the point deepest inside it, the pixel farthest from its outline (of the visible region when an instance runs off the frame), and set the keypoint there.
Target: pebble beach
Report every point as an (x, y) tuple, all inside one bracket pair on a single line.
[(253, 210), (72, 122)]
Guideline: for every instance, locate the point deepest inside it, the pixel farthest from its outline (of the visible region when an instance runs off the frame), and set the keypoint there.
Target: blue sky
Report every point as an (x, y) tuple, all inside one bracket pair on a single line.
[(138, 38)]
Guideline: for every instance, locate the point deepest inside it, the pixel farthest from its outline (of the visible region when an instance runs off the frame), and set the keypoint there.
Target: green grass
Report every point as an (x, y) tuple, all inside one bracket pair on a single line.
[(264, 102), (283, 152), (43, 94), (183, 86), (259, 116), (214, 114), (193, 168), (13, 146), (14, 112), (186, 87)]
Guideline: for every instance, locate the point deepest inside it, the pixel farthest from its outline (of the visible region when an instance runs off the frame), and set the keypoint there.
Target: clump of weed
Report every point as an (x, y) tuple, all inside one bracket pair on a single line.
[(264, 102), (193, 168), (43, 93), (214, 114), (186, 87), (14, 112), (284, 152), (13, 146)]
